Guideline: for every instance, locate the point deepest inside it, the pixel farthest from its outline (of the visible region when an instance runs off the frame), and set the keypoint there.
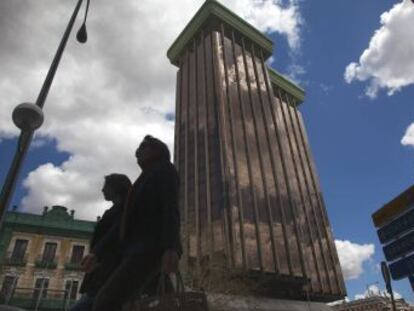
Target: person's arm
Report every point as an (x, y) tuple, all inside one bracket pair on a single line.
[(167, 184), (110, 238)]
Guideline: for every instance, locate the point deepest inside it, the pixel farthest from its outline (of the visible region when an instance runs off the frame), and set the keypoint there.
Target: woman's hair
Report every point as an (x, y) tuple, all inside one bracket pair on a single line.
[(120, 183), (163, 153)]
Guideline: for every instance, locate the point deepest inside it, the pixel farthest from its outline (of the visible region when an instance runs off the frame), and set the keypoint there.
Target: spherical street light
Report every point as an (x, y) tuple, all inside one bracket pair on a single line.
[(27, 117)]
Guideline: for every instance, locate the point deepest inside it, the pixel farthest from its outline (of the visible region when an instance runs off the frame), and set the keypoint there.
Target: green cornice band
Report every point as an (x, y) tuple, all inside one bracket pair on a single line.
[(287, 85), (37, 223), (214, 8)]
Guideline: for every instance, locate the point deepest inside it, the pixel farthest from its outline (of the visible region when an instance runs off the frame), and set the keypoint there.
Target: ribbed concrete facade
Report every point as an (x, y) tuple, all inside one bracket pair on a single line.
[(250, 195)]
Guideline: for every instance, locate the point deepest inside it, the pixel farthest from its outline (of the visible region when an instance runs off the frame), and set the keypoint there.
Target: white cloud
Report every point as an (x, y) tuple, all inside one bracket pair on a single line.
[(388, 61), (270, 16), (325, 88), (396, 295), (408, 139), (294, 72), (108, 93), (339, 302), (371, 291), (374, 290), (352, 257)]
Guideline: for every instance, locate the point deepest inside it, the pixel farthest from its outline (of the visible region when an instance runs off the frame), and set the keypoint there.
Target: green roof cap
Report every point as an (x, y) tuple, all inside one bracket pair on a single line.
[(55, 222), (212, 8), (287, 85)]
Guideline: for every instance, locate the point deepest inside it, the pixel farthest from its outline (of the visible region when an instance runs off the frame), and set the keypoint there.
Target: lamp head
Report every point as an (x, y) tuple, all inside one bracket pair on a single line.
[(27, 116), (82, 35)]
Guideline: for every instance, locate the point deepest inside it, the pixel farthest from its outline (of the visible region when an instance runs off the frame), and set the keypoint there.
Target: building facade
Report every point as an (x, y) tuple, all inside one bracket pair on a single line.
[(40, 258), (374, 303), (251, 202)]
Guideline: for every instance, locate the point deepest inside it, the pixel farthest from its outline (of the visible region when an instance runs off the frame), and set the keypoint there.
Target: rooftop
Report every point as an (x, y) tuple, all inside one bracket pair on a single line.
[(55, 221)]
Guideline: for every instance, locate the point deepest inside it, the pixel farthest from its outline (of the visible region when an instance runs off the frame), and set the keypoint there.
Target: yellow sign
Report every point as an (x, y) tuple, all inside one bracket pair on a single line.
[(394, 208)]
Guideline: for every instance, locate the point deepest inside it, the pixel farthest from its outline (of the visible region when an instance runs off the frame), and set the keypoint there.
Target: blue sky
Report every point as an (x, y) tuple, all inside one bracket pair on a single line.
[(356, 140), (355, 134)]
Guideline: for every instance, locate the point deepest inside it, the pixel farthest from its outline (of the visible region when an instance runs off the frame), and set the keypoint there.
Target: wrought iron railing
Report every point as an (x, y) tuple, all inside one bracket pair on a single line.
[(72, 265), (39, 298), (46, 263), (11, 260)]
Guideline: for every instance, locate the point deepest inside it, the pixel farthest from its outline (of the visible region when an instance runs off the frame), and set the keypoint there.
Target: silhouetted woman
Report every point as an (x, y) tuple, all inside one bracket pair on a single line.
[(115, 189)]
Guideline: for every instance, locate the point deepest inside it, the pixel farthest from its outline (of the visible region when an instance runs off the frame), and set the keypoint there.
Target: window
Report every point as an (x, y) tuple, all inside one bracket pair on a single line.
[(19, 250), (9, 284), (49, 252), (71, 289), (41, 283), (77, 254)]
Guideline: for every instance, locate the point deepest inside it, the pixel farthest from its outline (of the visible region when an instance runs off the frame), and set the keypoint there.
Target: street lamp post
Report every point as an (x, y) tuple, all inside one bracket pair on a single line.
[(28, 117)]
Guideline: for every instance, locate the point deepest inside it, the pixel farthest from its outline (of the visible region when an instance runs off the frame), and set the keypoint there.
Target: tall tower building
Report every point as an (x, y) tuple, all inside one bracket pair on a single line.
[(251, 202)]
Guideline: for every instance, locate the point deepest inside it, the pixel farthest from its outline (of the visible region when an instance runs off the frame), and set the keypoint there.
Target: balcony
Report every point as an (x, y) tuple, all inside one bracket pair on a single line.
[(72, 265), (19, 261), (28, 298), (46, 263)]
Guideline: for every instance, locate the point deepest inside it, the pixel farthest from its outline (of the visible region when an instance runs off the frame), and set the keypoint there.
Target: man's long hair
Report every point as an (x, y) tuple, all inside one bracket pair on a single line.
[(163, 153)]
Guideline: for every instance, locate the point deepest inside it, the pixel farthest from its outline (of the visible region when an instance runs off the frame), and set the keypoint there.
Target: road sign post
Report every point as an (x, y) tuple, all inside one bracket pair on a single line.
[(411, 279), (387, 280)]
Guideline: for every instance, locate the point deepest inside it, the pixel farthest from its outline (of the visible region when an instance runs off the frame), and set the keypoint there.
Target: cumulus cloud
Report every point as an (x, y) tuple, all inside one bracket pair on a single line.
[(396, 294), (352, 257), (108, 93), (374, 290), (295, 72), (270, 16), (371, 291), (408, 138), (388, 61), (339, 302)]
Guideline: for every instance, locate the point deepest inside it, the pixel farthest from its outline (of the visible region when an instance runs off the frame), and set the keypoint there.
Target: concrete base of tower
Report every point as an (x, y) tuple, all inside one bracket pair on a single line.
[(219, 302)]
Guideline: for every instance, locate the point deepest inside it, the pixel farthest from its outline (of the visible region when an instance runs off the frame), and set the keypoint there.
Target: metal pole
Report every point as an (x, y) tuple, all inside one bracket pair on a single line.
[(394, 308), (66, 298), (26, 136), (55, 63), (40, 294), (68, 293), (12, 289)]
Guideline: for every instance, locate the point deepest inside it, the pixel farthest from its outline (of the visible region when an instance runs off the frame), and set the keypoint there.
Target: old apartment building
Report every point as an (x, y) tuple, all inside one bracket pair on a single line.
[(40, 258)]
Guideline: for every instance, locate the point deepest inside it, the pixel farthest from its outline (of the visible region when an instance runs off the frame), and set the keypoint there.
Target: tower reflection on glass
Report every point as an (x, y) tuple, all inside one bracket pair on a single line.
[(28, 117)]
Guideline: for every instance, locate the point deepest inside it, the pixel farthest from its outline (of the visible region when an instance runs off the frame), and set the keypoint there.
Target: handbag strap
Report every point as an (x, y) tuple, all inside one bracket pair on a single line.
[(161, 284), (179, 282), (148, 281), (179, 287)]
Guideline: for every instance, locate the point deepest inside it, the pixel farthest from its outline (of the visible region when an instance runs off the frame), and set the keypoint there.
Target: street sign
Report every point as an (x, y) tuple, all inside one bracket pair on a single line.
[(394, 208), (395, 223), (399, 247), (402, 268), (398, 226)]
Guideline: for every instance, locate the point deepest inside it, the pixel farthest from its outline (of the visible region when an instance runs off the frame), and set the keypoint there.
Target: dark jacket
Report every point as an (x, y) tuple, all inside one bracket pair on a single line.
[(152, 220), (110, 258)]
